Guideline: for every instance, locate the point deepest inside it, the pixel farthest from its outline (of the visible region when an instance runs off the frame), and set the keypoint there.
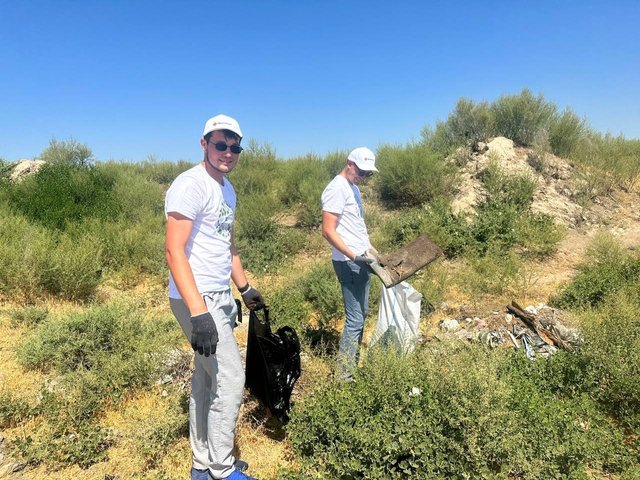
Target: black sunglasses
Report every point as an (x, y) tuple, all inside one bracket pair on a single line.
[(362, 173), (222, 147)]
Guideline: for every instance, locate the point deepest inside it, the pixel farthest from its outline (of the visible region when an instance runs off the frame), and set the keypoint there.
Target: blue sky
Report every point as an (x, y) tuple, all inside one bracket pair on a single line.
[(137, 78)]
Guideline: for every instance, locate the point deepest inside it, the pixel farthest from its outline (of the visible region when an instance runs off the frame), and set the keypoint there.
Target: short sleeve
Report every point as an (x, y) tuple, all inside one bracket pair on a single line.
[(184, 197), (333, 199)]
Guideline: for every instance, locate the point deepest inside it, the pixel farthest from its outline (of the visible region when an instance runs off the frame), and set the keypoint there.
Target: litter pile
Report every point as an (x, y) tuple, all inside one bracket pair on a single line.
[(539, 332)]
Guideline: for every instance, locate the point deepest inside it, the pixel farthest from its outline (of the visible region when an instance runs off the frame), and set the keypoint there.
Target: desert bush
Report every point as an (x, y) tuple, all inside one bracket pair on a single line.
[(13, 410), (136, 196), (270, 253), (538, 235), (320, 287), (492, 272), (59, 445), (452, 232), (301, 185), (502, 188), (611, 156), (428, 415), (67, 152), (161, 172), (24, 249), (612, 342), (98, 356), (606, 269), (153, 439), (565, 132), (520, 117), (96, 339), (61, 193), (334, 162), (73, 268), (132, 248), (412, 176), (256, 171), (468, 124), (29, 316), (288, 306), (399, 229)]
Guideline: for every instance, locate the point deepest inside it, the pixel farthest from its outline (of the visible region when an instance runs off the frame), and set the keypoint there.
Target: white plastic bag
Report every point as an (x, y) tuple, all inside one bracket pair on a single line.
[(398, 317)]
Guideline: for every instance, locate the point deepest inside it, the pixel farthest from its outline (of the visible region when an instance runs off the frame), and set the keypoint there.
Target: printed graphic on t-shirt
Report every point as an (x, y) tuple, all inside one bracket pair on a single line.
[(225, 221), (358, 198)]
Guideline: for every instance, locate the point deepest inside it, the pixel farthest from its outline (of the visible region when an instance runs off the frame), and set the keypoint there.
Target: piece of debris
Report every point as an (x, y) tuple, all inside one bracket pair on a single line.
[(401, 264), (450, 325)]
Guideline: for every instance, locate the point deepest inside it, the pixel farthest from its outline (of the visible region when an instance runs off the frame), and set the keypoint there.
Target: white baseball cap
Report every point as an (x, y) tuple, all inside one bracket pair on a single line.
[(364, 159), (222, 122)]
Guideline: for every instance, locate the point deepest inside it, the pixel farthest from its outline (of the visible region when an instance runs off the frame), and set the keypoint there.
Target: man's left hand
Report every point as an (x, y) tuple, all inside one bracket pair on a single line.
[(252, 299)]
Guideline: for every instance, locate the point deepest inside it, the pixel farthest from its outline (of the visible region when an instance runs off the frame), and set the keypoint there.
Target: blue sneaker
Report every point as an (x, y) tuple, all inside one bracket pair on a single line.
[(238, 475), (204, 474)]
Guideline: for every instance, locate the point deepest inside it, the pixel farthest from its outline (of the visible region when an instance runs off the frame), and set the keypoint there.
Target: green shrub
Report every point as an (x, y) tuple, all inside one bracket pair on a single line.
[(132, 248), (450, 413), (29, 316), (13, 410), (520, 117), (256, 171), (89, 340), (538, 235), (270, 253), (154, 439), (565, 132), (399, 229), (467, 125), (61, 193), (614, 157), (320, 287), (163, 173), (24, 251), (59, 445), (453, 233), (502, 188), (607, 268), (99, 356), (302, 182), (288, 306), (73, 268), (493, 272), (612, 342), (67, 152), (412, 176), (334, 162), (137, 197)]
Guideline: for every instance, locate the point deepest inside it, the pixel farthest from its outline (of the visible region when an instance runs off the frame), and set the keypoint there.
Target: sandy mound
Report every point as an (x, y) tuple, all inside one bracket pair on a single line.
[(555, 190)]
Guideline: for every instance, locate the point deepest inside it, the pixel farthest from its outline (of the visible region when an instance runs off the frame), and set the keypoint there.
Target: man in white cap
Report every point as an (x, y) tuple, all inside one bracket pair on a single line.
[(202, 257), (344, 228)]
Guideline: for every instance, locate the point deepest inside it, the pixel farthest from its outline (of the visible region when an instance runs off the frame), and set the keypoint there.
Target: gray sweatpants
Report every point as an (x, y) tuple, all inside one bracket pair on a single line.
[(216, 388)]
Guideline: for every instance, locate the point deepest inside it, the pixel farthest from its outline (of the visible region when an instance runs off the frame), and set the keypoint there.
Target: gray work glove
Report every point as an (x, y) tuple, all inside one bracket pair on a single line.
[(362, 261), (204, 335), (251, 297)]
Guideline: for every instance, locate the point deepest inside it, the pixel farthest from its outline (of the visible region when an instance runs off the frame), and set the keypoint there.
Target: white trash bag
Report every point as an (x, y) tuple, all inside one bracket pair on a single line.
[(398, 318)]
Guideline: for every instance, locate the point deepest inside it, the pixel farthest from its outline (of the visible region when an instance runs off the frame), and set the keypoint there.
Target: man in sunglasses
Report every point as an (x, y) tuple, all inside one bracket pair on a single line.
[(202, 257), (344, 228)]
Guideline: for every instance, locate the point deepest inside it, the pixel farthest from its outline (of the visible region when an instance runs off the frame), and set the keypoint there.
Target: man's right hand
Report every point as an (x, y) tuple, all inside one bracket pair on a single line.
[(361, 260), (204, 335)]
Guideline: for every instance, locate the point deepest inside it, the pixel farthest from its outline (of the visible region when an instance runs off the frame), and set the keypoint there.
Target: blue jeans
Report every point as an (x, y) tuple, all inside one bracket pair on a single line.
[(354, 281)]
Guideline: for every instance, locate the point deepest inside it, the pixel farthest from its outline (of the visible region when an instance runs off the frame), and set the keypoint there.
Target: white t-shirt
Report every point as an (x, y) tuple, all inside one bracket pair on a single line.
[(343, 198), (211, 207)]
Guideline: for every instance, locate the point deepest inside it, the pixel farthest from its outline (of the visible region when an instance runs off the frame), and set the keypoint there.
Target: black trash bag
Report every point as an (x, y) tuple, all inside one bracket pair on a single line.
[(273, 363)]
